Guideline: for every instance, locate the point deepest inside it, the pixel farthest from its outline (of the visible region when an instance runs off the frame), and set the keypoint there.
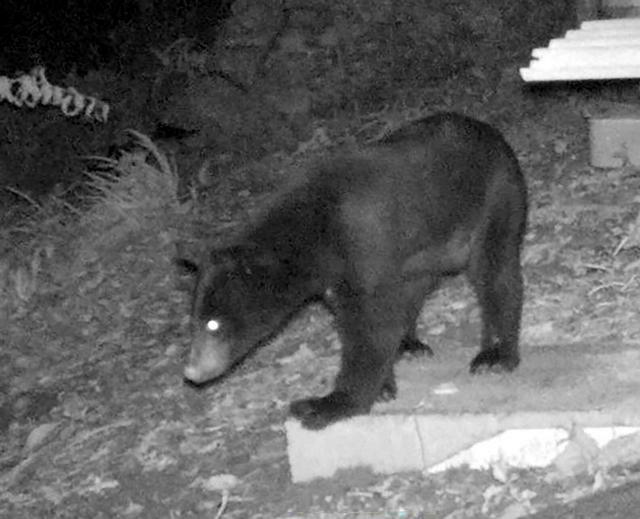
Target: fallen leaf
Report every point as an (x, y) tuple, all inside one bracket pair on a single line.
[(578, 456), (38, 435), (220, 482), (514, 511), (621, 451)]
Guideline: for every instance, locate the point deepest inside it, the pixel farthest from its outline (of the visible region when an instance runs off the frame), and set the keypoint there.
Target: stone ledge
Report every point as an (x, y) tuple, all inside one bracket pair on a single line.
[(432, 443)]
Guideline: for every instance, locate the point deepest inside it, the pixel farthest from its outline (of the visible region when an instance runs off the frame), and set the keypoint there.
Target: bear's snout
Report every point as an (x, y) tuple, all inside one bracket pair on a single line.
[(208, 359)]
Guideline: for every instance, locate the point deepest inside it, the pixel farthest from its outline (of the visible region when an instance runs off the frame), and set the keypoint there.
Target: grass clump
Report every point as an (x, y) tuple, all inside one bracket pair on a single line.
[(97, 272)]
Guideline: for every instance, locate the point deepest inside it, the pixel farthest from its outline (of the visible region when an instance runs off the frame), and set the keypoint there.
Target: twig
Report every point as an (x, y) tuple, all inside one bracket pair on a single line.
[(620, 245), (23, 195), (594, 266), (284, 22), (223, 504), (604, 287)]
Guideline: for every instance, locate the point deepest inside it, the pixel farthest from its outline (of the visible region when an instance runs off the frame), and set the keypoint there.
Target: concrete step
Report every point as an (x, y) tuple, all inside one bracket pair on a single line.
[(444, 416)]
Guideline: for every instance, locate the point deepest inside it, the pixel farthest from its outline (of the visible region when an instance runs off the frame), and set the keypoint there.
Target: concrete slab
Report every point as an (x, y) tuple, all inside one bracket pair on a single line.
[(442, 411), (386, 444), (615, 139)]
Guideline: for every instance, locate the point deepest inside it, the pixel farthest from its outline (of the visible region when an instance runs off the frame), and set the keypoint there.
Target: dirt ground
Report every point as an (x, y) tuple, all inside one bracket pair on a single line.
[(95, 420)]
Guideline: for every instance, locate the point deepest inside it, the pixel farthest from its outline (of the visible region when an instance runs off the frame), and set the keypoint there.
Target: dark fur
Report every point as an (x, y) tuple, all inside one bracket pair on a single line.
[(378, 229)]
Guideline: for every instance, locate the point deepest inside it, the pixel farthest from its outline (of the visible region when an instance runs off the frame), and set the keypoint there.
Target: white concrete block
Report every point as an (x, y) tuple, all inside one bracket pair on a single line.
[(384, 443)]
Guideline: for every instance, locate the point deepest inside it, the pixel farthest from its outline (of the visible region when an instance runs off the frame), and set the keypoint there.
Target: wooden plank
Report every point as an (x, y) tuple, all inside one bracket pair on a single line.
[(600, 49), (561, 43), (591, 57), (579, 34), (579, 74), (615, 23)]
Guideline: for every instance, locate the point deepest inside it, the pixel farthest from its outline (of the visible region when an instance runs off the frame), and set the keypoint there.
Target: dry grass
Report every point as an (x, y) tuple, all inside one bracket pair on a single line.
[(101, 324), (56, 244), (137, 194)]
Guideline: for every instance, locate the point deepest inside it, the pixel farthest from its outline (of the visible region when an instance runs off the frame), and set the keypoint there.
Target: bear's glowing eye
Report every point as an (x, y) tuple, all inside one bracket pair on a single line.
[(212, 325)]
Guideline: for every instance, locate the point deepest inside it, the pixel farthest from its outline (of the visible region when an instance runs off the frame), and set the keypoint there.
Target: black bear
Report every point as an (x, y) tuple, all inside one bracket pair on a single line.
[(377, 229)]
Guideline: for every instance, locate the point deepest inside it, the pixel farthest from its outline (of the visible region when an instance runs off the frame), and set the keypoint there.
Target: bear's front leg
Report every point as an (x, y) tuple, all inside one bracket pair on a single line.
[(371, 328), (317, 413)]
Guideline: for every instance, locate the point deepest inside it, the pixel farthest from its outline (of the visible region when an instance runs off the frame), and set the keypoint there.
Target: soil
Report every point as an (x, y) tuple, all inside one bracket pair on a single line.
[(96, 421)]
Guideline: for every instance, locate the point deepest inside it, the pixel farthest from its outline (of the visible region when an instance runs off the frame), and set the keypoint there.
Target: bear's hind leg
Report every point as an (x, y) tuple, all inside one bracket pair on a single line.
[(497, 278), (415, 292), (389, 388)]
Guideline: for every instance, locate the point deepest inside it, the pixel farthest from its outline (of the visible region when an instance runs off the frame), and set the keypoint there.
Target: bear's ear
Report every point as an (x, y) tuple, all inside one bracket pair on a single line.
[(186, 266)]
